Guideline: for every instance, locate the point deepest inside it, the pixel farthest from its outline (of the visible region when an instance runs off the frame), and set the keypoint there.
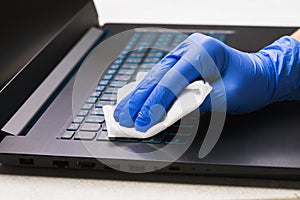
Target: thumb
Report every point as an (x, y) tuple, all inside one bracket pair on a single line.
[(216, 100)]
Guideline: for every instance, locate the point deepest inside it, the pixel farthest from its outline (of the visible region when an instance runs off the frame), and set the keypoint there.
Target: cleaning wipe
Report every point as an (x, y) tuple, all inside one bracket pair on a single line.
[(188, 100)]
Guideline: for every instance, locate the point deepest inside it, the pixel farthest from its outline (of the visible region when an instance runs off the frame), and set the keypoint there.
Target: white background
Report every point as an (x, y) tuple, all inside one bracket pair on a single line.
[(232, 12)]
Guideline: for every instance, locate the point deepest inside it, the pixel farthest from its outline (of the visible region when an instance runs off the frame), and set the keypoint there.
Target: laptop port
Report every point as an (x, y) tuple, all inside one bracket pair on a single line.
[(86, 165), (26, 161), (60, 164), (174, 168)]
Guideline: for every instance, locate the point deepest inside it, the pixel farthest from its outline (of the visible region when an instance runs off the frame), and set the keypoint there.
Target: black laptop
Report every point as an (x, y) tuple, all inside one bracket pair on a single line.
[(58, 68)]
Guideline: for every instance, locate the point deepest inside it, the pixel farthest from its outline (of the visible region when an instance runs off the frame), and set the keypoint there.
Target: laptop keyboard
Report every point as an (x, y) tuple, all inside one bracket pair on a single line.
[(89, 124)]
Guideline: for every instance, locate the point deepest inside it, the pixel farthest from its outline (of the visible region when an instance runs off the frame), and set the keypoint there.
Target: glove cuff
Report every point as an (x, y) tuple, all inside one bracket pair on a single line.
[(282, 58)]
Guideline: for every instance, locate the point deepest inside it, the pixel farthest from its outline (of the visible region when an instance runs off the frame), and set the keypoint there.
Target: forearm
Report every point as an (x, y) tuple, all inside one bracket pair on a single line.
[(296, 35), (284, 58)]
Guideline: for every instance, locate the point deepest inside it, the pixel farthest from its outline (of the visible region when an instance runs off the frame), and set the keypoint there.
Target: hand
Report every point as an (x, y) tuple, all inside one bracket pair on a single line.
[(242, 82)]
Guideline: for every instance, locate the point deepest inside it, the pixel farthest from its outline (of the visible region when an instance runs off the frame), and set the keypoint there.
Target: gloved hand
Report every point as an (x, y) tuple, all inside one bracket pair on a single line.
[(242, 82)]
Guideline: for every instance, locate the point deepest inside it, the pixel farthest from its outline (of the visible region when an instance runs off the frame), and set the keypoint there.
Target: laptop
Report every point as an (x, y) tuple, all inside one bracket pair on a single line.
[(59, 68)]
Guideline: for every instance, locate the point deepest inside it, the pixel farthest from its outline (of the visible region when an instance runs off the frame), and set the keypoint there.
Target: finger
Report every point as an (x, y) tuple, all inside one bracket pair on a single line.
[(120, 106), (164, 94), (207, 55), (127, 110)]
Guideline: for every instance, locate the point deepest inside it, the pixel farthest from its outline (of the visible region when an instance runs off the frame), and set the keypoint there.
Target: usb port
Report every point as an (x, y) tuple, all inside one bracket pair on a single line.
[(86, 165), (60, 164), (174, 168), (26, 161)]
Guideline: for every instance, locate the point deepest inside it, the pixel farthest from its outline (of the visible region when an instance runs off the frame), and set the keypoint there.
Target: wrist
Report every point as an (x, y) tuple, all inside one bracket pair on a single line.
[(283, 60)]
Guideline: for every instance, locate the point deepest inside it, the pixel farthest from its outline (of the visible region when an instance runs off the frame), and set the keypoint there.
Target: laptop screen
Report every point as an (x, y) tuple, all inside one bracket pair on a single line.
[(35, 35), (26, 27)]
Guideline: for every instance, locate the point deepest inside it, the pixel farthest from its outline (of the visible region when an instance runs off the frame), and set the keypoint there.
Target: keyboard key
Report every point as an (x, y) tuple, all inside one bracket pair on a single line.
[(181, 36), (91, 100), (218, 36), (100, 88), (167, 35), (150, 34), (107, 77), (111, 72), (108, 97), (67, 135), (222, 37), (147, 66), (141, 48), (111, 91), (176, 140), (144, 70), (83, 113), (117, 84), (133, 60), (175, 45), (126, 72), (97, 111), (104, 128), (157, 139), (96, 94), (78, 120), (122, 56), (102, 136), (183, 125), (136, 55), (101, 103), (163, 42), (85, 135), (114, 67), (128, 48), (182, 132), (161, 45), (151, 60), (131, 42), (189, 120), (118, 61), (129, 140), (103, 83), (155, 55), (87, 107), (90, 127), (73, 127), (121, 78), (95, 119), (178, 41), (128, 67), (136, 35), (143, 43), (156, 51), (150, 63)]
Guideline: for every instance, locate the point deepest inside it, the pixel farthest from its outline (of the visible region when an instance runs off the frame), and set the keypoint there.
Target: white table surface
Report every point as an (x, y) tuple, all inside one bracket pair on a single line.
[(31, 183), (20, 183)]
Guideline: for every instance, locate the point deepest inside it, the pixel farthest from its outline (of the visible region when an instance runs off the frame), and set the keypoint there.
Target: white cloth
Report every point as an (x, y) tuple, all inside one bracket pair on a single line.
[(189, 99)]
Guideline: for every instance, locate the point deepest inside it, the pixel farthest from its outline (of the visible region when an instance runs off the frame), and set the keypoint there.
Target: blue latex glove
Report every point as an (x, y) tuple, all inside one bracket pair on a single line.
[(242, 82)]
